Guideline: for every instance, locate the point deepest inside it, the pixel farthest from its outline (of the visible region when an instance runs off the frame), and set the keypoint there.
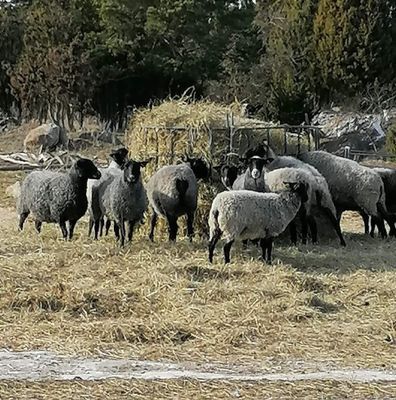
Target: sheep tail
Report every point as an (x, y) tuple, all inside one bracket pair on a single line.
[(215, 229), (181, 187)]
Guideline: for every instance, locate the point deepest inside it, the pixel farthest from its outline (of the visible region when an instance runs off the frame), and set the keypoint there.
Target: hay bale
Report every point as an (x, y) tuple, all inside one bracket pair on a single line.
[(178, 126)]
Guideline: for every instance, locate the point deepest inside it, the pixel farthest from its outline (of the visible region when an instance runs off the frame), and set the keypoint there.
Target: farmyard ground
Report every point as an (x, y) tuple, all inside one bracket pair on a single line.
[(321, 304)]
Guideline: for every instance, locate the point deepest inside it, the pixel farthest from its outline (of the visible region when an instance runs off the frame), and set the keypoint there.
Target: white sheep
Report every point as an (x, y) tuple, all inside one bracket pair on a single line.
[(244, 214)]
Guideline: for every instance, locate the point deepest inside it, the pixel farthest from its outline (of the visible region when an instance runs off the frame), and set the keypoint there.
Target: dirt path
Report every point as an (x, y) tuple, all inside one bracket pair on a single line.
[(39, 366)]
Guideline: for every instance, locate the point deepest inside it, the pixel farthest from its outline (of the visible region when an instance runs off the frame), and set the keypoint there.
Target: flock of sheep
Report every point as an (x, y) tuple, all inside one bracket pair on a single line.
[(266, 194)]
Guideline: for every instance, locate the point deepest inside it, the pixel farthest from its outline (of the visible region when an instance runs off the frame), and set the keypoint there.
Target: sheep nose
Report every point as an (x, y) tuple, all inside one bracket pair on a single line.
[(256, 173)]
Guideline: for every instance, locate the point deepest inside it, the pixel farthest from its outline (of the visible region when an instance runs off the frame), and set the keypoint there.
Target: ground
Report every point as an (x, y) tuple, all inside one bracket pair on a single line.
[(318, 307)]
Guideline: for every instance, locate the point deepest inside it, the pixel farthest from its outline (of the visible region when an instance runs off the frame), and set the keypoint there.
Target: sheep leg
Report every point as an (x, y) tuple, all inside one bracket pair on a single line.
[(365, 218), (37, 225), (381, 226), (116, 231), (373, 226), (304, 225), (172, 227), (97, 228), (190, 226), (293, 232), (313, 229), (72, 224), (227, 249), (383, 214), (62, 225), (122, 232), (131, 226), (392, 227), (154, 219), (269, 250), (107, 228), (101, 225), (22, 219), (263, 244), (266, 246), (212, 243), (90, 226), (336, 224)]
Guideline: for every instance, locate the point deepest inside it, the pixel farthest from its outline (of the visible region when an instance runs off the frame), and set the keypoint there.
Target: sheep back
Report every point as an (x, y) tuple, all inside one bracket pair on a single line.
[(163, 193), (352, 186)]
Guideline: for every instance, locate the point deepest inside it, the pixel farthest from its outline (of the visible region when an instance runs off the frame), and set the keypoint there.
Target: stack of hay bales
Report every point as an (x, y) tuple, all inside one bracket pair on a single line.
[(175, 127)]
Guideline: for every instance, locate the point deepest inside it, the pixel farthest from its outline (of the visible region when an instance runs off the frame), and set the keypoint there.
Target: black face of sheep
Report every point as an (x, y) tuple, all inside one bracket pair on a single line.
[(132, 170), (256, 165), (300, 188), (228, 174), (86, 169), (120, 156), (199, 167)]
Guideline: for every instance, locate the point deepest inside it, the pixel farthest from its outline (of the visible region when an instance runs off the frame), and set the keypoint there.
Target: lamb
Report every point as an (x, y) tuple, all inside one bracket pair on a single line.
[(172, 192), (244, 214), (95, 188), (388, 176), (56, 197), (124, 199), (352, 186)]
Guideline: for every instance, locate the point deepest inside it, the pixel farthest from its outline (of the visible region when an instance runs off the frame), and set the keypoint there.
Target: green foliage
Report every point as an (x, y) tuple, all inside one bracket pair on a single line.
[(353, 44), (286, 57)]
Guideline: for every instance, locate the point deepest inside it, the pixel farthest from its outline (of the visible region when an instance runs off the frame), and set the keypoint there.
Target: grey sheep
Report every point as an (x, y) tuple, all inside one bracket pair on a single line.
[(56, 197), (96, 187), (173, 191), (244, 214), (388, 176), (321, 196), (352, 186), (124, 199)]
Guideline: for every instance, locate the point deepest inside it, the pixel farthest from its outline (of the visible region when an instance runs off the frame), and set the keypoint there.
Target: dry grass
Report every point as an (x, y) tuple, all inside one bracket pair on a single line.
[(165, 301), (114, 389)]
